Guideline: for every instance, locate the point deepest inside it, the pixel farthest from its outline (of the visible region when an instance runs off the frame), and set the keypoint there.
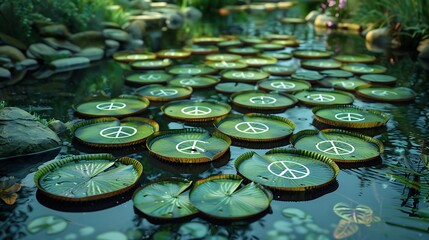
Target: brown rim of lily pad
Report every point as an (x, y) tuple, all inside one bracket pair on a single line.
[(288, 42), (154, 64), (173, 53), (132, 56), (311, 54), (352, 120), (321, 96), (71, 160), (190, 110), (208, 40)]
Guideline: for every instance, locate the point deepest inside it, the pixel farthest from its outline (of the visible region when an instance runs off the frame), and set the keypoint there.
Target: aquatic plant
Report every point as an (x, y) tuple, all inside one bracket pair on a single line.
[(336, 8), (8, 190), (3, 104)]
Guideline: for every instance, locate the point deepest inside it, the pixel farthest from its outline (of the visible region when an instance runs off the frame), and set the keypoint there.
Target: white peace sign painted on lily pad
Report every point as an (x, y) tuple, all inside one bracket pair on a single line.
[(344, 84), (335, 147), (383, 93), (189, 71), (110, 106), (196, 110), (349, 117), (189, 81), (283, 85), (321, 97), (263, 100), (191, 147), (251, 127), (150, 77), (288, 169), (243, 74), (164, 92), (118, 132)]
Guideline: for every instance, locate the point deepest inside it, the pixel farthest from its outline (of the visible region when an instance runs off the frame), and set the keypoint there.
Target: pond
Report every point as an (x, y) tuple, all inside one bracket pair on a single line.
[(391, 201)]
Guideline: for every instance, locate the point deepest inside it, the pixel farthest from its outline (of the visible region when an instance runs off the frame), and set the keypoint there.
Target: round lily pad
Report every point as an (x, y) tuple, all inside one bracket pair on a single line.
[(249, 75), (188, 145), (279, 70), (342, 83), (156, 92), (111, 132), (243, 50), (271, 37), (287, 42), (287, 169), (269, 46), (258, 61), (225, 197), (195, 81), (311, 54), (173, 53), (386, 94), (379, 79), (128, 56), (324, 97), (355, 58), (151, 64), (283, 85), (309, 76), (122, 106), (191, 70), (201, 49), (230, 43), (335, 73), (189, 110), (88, 177), (223, 65), (255, 127), (50, 224), (320, 64), (223, 57), (262, 100), (350, 116), (207, 40), (360, 68), (338, 145), (293, 20), (277, 55), (165, 199), (233, 87), (252, 40), (148, 77)]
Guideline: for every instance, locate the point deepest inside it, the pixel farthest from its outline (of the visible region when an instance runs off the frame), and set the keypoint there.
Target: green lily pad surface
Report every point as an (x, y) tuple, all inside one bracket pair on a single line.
[(207, 40), (292, 20), (191, 70), (165, 199), (88, 177), (173, 53), (342, 83), (115, 107), (340, 146), (283, 85), (320, 64), (287, 169), (262, 100), (110, 132), (277, 55), (151, 64), (309, 76), (230, 43), (188, 146), (379, 79), (269, 46), (311, 54), (350, 116), (386, 94), (258, 61), (252, 40), (49, 224), (356, 58), (360, 68), (201, 49), (324, 97), (251, 75), (243, 50), (225, 197), (335, 73), (133, 56), (148, 77), (156, 92), (279, 70), (223, 65), (195, 81), (196, 110), (233, 87), (223, 57), (287, 42), (255, 127), (272, 37)]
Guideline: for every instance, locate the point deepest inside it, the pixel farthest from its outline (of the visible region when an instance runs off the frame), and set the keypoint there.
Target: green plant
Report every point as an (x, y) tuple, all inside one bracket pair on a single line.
[(3, 104)]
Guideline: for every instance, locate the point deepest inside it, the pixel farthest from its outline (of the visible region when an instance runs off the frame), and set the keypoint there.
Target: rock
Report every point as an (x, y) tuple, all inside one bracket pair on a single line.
[(57, 126), (5, 74), (136, 29), (68, 64), (116, 34), (92, 53), (28, 63), (61, 44), (311, 16), (325, 21), (55, 30), (110, 25), (378, 38), (11, 41), (41, 50), (12, 53), (192, 14), (22, 134), (174, 21), (5, 61), (350, 26), (112, 46), (88, 39), (423, 49), (140, 4)]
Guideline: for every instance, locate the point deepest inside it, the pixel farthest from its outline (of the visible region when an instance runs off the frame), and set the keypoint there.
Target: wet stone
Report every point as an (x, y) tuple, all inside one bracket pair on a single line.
[(70, 63), (61, 44), (55, 30), (116, 34), (12, 53), (92, 53), (88, 39), (4, 73)]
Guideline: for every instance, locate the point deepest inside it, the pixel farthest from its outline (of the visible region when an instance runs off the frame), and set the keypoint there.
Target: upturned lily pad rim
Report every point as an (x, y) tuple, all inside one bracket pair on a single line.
[(346, 67), (161, 54), (128, 80), (391, 82), (286, 56), (358, 93), (165, 63), (124, 160), (205, 49), (237, 83), (278, 118), (291, 97), (270, 61), (358, 125), (208, 40), (212, 70), (308, 84), (163, 99), (325, 91), (326, 82), (225, 105), (325, 54), (215, 81), (297, 152), (369, 58), (136, 52), (307, 64), (304, 133), (241, 80), (162, 134)]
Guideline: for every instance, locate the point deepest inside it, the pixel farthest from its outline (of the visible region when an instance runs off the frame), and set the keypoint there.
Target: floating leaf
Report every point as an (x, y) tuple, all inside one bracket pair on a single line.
[(112, 235), (193, 230), (309, 76), (201, 49), (230, 43), (196, 110), (320, 64), (335, 73), (50, 224), (262, 100), (173, 53), (362, 214), (283, 85), (207, 40), (122, 106), (279, 70), (243, 50), (233, 87), (191, 69), (360, 68), (148, 77), (277, 55), (9, 189), (223, 65), (132, 56), (250, 75), (156, 92), (355, 58), (194, 81), (379, 79), (343, 84), (258, 61), (269, 46), (386, 94), (223, 57), (324, 97), (252, 39), (345, 229), (311, 54), (151, 64)]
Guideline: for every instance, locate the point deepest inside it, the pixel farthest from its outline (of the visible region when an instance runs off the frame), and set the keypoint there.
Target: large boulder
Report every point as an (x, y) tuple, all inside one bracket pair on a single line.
[(323, 20), (88, 39), (54, 30), (379, 37), (21, 133), (12, 53)]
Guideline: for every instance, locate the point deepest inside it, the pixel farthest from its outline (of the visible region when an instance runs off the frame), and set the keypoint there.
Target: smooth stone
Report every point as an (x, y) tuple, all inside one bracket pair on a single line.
[(350, 26), (12, 53), (112, 47), (4, 73), (5, 60), (136, 28), (41, 50), (110, 25), (22, 134), (323, 20), (116, 34), (140, 4), (61, 44), (68, 64), (28, 63), (92, 53), (88, 39), (11, 41), (379, 37), (55, 30), (57, 126), (311, 16)]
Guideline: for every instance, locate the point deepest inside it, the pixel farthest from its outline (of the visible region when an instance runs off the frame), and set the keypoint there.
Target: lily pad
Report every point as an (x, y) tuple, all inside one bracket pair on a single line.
[(201, 49), (191, 69), (252, 39), (50, 224), (262, 100), (230, 43), (340, 146), (207, 40), (269, 46), (195, 81), (255, 127), (293, 20), (193, 230), (250, 75), (287, 42), (324, 97), (156, 92), (243, 50), (111, 235), (287, 169), (309, 76), (277, 55), (151, 64), (279, 70), (258, 61), (223, 57), (379, 79), (233, 87), (361, 214), (386, 94), (311, 54), (354, 58), (227, 65), (188, 146), (224, 197), (148, 77), (343, 84), (165, 199), (88, 177), (173, 53), (188, 110), (272, 37), (111, 132), (360, 68), (335, 73), (320, 64), (283, 85), (122, 106), (350, 116), (129, 56)]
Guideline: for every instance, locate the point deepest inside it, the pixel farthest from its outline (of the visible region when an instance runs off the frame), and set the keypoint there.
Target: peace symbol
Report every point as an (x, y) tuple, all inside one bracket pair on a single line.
[(362, 69), (243, 74), (149, 77), (189, 70), (190, 147), (225, 64), (256, 61), (109, 106), (383, 93), (251, 127), (263, 100), (196, 110), (288, 169), (335, 147), (345, 84), (349, 117), (283, 85), (321, 97), (189, 81), (164, 92), (118, 132)]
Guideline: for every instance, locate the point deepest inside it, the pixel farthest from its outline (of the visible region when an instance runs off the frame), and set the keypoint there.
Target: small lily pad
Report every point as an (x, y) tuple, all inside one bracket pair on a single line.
[(250, 75), (156, 92), (51, 224), (324, 97), (262, 100), (342, 83), (223, 57), (230, 43), (311, 54), (272, 37), (279, 70), (188, 146), (195, 81), (335, 73), (191, 69), (269, 46), (188, 110), (223, 65), (207, 40), (112, 235), (287, 169), (151, 64), (201, 49), (360, 68), (193, 230), (255, 127), (252, 40), (287, 42), (293, 20), (355, 58), (309, 76), (233, 87), (258, 61), (243, 50), (225, 197), (379, 79), (284, 85), (320, 64), (148, 78), (386, 94), (122, 106), (173, 53), (129, 56), (340, 146), (277, 55)]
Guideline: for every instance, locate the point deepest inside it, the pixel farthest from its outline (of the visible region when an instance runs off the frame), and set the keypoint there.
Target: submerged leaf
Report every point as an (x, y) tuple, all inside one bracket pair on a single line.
[(8, 190), (345, 229), (50, 224), (362, 214)]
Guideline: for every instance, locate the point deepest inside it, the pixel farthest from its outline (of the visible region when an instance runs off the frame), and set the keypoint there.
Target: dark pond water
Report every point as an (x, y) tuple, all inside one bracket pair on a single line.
[(383, 185)]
